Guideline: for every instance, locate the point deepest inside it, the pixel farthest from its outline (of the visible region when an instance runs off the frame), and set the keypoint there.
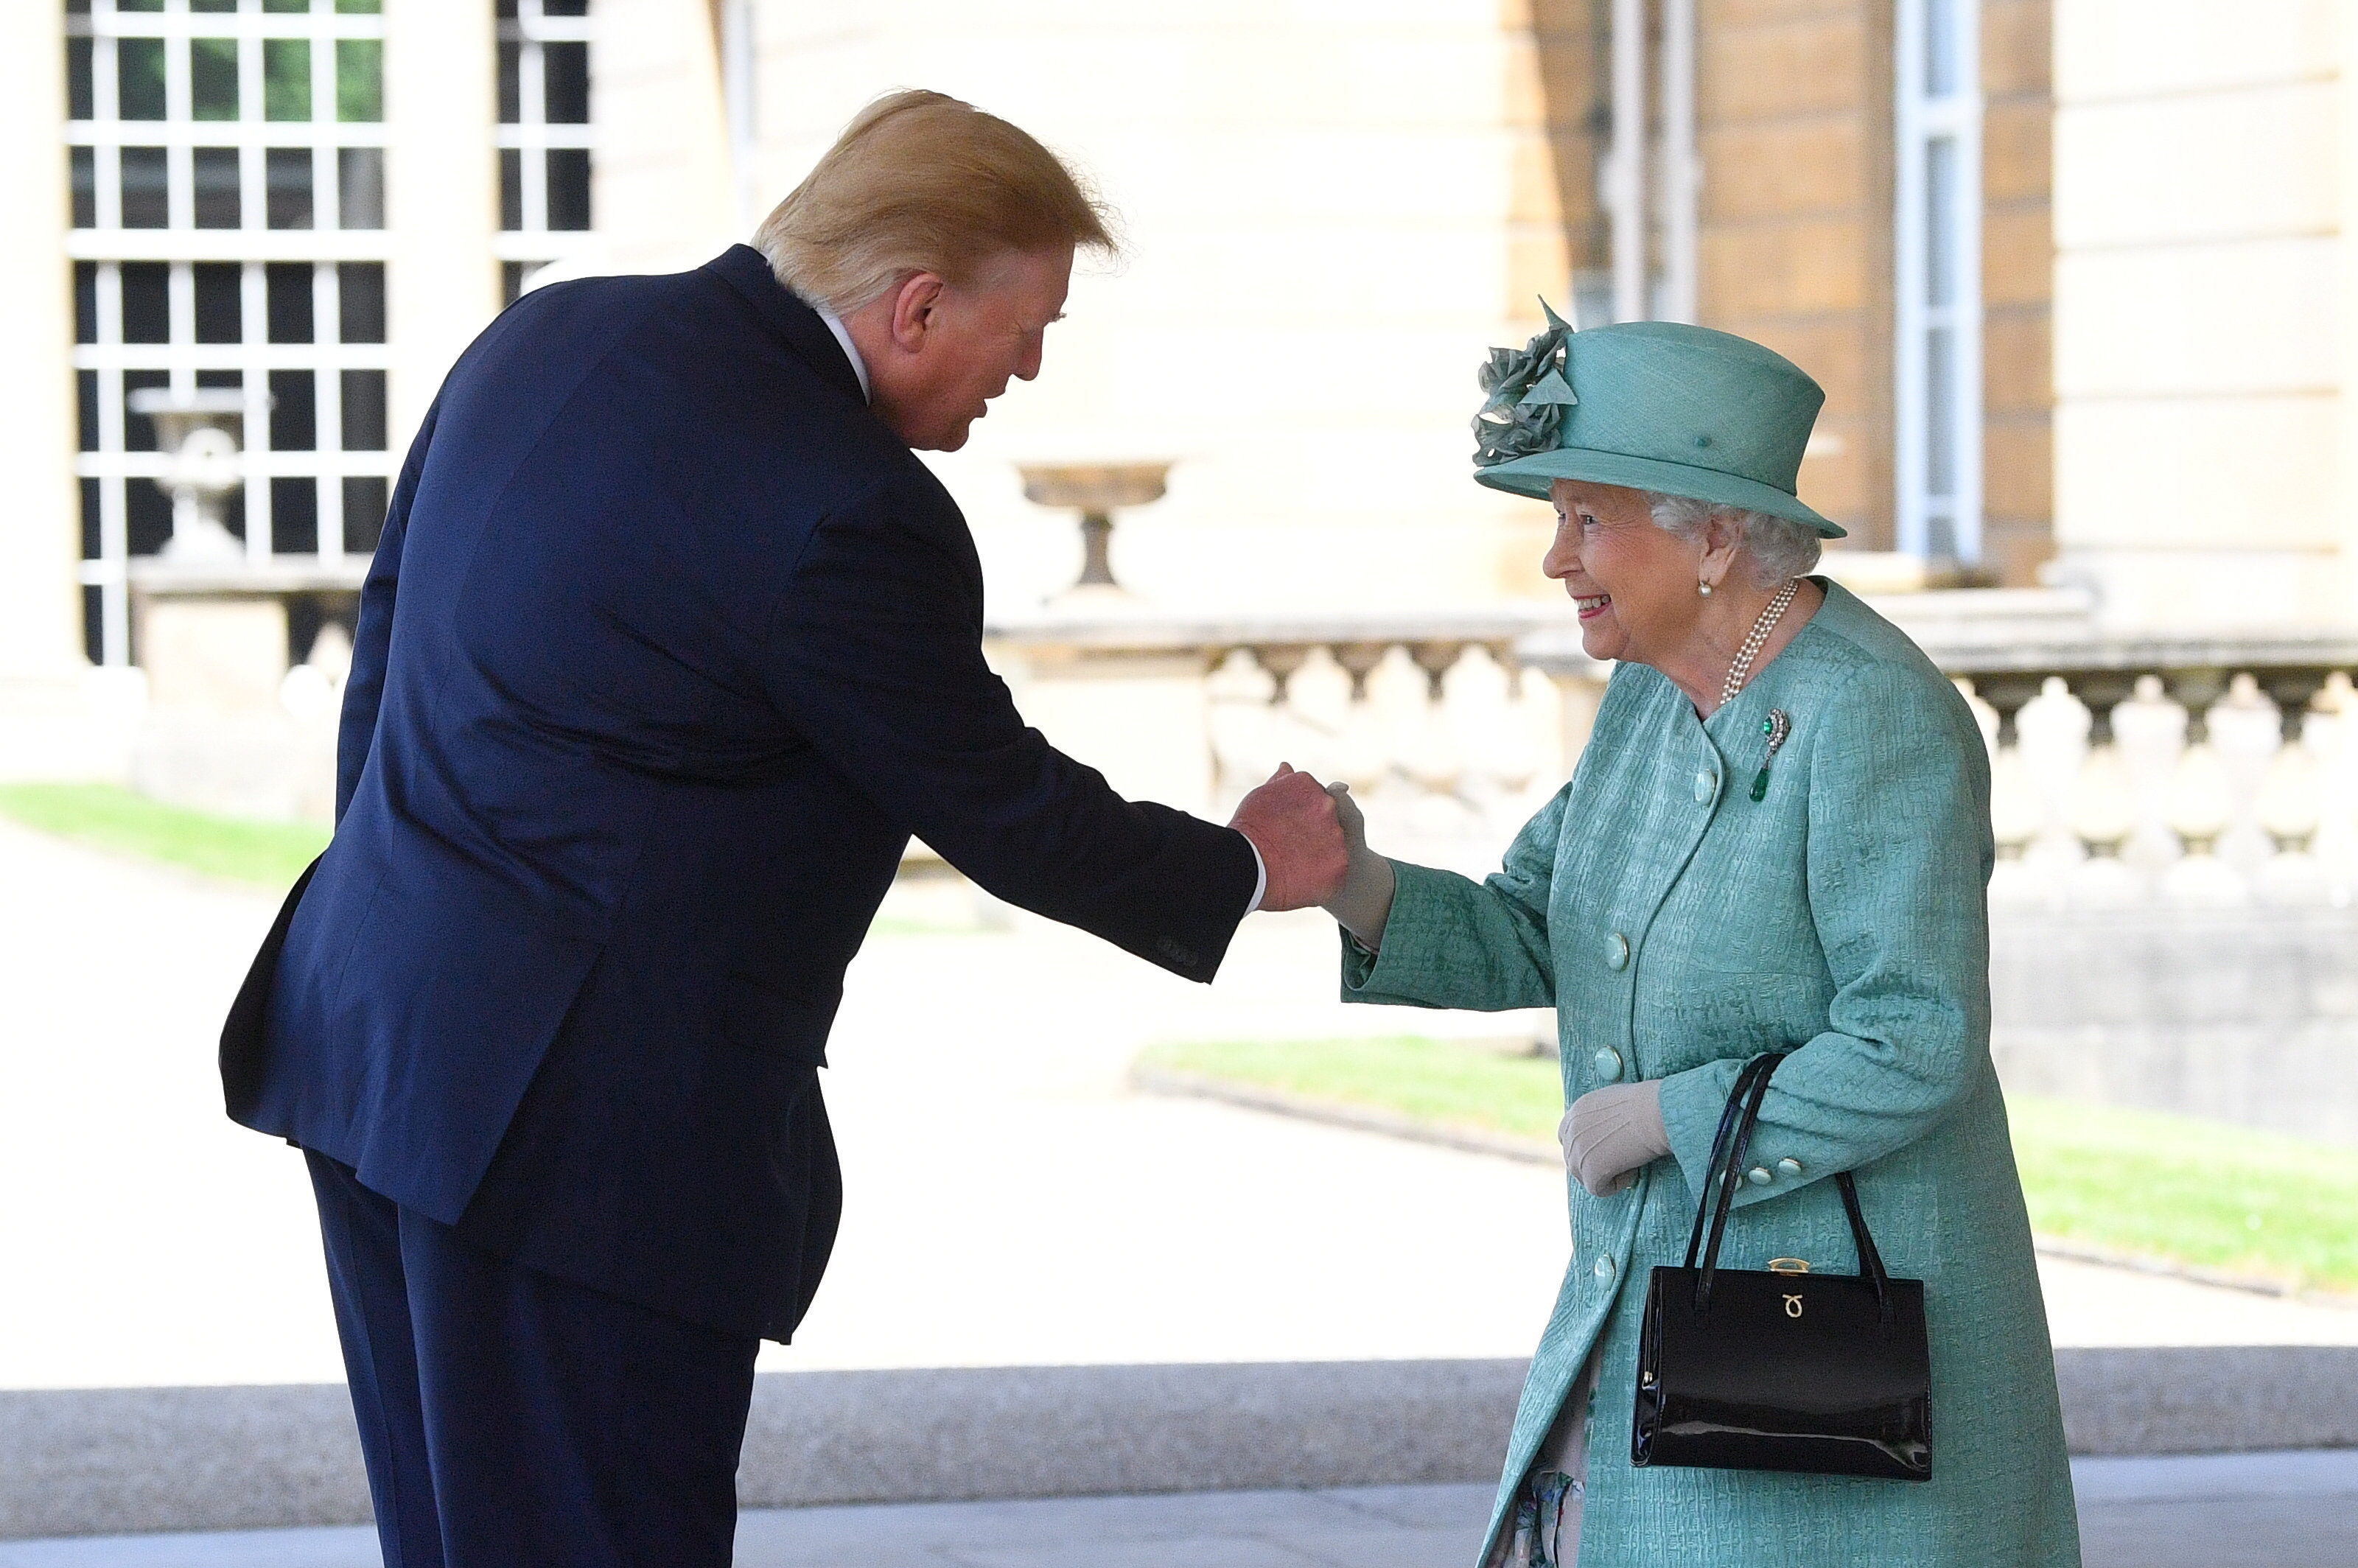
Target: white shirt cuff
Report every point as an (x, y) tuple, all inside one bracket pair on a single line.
[(1261, 874)]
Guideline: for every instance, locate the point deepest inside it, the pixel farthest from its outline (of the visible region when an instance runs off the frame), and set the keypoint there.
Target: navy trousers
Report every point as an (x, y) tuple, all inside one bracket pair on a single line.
[(512, 1420)]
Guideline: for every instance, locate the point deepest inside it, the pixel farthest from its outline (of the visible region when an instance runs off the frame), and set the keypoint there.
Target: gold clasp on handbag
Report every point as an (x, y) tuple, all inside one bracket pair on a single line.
[(1788, 1266)]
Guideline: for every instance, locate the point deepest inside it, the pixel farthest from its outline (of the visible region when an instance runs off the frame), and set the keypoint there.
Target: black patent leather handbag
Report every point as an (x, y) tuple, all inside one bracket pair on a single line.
[(1783, 1370)]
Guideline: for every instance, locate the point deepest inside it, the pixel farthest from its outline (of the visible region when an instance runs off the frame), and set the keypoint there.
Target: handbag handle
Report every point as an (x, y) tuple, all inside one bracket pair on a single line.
[(1728, 1150)]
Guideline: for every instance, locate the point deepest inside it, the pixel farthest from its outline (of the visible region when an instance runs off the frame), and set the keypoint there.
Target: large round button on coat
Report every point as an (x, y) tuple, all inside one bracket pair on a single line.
[(1604, 1268), (1617, 951), (1706, 785), (1609, 1064), (1789, 1166), (1758, 1176)]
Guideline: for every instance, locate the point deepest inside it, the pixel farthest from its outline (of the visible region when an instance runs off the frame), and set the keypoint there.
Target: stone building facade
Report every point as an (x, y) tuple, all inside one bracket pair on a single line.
[(2077, 274)]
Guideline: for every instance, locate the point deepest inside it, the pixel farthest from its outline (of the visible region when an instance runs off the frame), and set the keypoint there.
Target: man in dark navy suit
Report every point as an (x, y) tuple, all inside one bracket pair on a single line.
[(670, 646)]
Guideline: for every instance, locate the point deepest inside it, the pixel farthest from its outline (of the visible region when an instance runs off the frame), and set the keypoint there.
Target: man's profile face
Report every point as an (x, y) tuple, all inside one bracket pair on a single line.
[(973, 338)]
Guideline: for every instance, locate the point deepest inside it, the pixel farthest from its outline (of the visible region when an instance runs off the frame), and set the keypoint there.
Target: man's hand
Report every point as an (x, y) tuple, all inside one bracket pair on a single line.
[(1291, 820)]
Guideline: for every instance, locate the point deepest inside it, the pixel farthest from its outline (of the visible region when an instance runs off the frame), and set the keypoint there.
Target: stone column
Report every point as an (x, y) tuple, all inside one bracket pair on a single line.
[(2346, 318), (40, 619), (442, 196), (2201, 381), (664, 196)]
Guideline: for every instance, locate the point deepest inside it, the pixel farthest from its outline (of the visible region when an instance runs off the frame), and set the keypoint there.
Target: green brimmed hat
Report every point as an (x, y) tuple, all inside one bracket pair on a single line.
[(1655, 406)]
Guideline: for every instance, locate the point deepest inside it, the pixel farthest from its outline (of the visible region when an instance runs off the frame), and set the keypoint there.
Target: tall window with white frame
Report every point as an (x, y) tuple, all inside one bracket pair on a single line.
[(227, 163), (1937, 348), (544, 137)]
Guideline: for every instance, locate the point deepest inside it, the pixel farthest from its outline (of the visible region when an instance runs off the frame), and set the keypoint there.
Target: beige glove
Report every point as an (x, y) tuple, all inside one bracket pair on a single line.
[(1364, 903), (1610, 1133)]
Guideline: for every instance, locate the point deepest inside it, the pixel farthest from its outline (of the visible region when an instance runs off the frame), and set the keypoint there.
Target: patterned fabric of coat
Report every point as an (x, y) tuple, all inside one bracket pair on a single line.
[(1679, 926)]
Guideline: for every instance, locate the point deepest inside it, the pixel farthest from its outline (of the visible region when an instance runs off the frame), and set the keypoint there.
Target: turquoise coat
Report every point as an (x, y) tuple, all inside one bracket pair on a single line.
[(1678, 927)]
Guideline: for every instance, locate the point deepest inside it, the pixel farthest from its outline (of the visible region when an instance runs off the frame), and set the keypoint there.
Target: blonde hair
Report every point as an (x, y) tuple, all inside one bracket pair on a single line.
[(922, 182)]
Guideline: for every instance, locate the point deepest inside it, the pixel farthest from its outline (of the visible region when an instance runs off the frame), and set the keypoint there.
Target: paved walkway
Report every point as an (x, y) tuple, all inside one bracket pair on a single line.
[(2258, 1510), (988, 1138)]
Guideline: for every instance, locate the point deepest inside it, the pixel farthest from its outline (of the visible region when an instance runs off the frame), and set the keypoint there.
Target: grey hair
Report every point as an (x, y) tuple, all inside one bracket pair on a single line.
[(1776, 547)]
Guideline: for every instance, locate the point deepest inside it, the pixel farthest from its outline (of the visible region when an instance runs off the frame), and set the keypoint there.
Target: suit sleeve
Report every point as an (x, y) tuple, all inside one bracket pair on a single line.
[(875, 655), (1898, 859), (372, 636)]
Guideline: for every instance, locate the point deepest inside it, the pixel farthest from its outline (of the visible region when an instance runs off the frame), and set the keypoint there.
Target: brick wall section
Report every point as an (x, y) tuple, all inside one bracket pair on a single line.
[(1569, 74), (1794, 104), (2017, 288)]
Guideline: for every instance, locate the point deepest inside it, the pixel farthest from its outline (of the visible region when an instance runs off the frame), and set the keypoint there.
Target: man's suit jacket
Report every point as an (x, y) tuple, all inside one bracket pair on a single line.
[(667, 649)]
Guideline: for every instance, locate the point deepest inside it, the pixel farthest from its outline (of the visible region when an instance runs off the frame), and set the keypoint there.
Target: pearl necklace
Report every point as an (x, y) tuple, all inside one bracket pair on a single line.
[(1741, 670)]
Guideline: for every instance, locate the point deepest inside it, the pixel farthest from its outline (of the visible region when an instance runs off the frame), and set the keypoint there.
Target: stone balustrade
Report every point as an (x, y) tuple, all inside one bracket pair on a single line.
[(2206, 770), (1448, 737)]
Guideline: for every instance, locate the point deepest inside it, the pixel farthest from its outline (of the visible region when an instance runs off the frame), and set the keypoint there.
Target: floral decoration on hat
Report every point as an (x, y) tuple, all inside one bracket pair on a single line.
[(1527, 395)]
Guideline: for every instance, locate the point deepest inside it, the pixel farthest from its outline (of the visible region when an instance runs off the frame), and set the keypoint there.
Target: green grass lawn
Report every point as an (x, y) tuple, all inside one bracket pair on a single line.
[(271, 854), (2171, 1187), (1433, 1080)]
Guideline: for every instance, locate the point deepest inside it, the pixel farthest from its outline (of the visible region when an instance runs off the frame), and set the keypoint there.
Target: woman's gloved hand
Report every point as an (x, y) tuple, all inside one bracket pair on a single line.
[(1610, 1133), (1364, 903)]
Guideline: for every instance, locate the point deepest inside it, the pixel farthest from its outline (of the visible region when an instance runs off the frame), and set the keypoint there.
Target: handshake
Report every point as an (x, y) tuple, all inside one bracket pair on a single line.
[(1313, 846)]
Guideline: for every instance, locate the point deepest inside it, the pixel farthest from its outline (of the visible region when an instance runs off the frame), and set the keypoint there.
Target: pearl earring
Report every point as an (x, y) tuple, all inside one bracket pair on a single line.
[(1703, 589)]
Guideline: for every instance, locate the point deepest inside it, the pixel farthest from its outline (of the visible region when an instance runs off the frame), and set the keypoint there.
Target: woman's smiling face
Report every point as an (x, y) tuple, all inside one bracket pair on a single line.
[(1633, 580)]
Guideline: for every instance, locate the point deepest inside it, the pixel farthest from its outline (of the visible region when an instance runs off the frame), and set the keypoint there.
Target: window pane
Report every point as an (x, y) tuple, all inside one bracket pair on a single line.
[(364, 410), (149, 513), (359, 187), (86, 302), (360, 7), (359, 292), (505, 10), (91, 533), (212, 4), (365, 500), (217, 188), (93, 603), (1939, 48), (146, 302), (568, 187), (287, 286), (1940, 221), (1940, 414), (360, 79), (288, 172), (147, 193), (288, 5), (139, 78), (86, 410), (293, 412), (565, 71), (511, 189), (80, 93), (294, 517), (564, 7), (511, 277), (221, 302), (286, 78), (510, 90), (138, 5), (81, 171), (212, 79), (138, 430)]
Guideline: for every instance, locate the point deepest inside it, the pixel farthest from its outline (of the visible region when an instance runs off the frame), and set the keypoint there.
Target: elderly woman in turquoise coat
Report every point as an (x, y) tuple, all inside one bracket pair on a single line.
[(1777, 839)]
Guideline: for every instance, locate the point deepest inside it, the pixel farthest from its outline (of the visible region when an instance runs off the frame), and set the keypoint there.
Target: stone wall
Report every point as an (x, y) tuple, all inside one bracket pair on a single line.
[(2017, 290), (2247, 1015)]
